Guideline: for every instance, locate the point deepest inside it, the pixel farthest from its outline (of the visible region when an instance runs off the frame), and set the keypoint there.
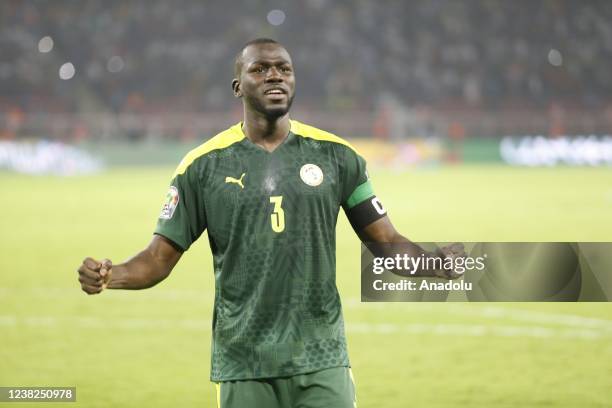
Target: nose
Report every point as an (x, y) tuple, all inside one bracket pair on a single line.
[(273, 75)]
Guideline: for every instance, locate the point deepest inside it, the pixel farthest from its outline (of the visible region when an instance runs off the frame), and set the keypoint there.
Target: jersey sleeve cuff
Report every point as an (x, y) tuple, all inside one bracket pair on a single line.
[(178, 243)]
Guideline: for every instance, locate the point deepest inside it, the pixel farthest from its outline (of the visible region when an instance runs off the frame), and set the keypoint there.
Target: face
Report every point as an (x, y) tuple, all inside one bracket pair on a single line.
[(266, 82)]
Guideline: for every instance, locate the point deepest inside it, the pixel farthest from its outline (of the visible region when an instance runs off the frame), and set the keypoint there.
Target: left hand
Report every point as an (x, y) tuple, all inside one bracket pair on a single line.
[(453, 251)]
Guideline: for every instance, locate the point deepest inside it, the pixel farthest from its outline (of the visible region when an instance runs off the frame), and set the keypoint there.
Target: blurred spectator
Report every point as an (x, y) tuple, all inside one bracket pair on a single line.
[(155, 56)]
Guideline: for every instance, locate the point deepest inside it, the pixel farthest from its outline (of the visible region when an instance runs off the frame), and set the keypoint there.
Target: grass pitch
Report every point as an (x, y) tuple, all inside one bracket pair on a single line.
[(152, 348)]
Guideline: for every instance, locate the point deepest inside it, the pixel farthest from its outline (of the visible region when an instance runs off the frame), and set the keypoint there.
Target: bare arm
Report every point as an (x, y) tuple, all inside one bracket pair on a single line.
[(393, 243), (144, 270)]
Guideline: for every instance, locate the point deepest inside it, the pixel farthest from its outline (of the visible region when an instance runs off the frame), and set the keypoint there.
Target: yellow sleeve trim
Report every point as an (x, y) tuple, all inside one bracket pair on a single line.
[(221, 141), (303, 130)]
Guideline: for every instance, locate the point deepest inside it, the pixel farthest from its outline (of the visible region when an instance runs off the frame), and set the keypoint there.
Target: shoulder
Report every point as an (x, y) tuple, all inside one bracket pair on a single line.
[(220, 141), (303, 130)]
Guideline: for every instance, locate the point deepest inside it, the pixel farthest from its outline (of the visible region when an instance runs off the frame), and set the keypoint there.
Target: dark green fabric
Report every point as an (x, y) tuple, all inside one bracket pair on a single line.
[(332, 387), (277, 309)]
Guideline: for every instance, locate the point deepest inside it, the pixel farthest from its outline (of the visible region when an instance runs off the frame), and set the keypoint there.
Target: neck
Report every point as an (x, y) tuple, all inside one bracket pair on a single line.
[(264, 131)]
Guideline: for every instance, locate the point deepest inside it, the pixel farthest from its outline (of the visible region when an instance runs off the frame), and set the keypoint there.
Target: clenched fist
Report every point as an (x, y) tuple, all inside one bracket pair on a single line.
[(95, 275), (453, 251)]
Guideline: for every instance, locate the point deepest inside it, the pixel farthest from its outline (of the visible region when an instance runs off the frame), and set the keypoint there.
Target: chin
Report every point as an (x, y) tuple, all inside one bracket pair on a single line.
[(276, 111), (267, 109)]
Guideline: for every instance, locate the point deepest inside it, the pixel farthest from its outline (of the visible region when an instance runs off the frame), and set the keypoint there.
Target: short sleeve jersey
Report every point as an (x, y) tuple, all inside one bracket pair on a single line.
[(271, 219)]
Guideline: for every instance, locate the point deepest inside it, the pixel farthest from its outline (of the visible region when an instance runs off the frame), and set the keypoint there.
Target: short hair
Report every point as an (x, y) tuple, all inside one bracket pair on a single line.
[(256, 41)]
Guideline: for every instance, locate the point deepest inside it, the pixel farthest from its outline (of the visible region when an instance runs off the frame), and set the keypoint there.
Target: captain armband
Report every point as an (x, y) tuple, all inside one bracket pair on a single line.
[(365, 213)]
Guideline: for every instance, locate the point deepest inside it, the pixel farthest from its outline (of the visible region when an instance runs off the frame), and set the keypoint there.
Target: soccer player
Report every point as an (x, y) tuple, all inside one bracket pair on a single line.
[(268, 191)]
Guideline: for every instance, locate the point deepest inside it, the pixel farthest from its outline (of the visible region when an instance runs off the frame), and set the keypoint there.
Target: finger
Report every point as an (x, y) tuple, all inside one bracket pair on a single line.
[(459, 249), (91, 290), (458, 274), (448, 250), (89, 281), (449, 253), (91, 274), (91, 264), (105, 267), (107, 280)]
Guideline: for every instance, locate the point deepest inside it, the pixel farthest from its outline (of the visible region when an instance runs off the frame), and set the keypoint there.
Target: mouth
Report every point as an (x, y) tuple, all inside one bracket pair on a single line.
[(275, 92)]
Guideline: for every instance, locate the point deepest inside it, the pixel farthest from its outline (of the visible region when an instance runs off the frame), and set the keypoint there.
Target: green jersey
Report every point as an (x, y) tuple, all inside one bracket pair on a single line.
[(271, 219)]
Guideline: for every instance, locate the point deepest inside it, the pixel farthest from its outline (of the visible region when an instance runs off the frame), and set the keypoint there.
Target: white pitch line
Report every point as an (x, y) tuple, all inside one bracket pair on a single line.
[(489, 311), (534, 316), (469, 330), (475, 330), (484, 310)]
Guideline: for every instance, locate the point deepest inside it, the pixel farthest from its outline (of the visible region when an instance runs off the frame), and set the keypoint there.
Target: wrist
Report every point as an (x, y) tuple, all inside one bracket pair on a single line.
[(432, 266)]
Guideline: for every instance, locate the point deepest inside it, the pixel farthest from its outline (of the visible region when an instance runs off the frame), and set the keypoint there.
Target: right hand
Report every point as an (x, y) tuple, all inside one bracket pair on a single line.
[(95, 275), (456, 250)]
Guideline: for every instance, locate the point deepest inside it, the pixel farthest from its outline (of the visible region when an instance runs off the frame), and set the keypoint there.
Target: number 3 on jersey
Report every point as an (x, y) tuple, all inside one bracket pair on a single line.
[(278, 214)]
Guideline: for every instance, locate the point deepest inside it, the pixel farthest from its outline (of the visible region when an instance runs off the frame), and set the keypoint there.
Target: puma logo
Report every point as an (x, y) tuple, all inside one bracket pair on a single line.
[(229, 179)]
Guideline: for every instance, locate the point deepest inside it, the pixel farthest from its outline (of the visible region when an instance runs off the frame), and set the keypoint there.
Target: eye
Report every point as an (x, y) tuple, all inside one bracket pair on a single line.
[(259, 69), (286, 69)]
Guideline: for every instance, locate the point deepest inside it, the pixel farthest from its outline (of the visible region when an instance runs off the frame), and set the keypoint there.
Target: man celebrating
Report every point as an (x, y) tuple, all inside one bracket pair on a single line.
[(268, 190)]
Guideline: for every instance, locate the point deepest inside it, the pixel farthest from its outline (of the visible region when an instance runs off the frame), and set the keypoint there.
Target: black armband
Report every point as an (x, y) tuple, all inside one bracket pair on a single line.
[(365, 213)]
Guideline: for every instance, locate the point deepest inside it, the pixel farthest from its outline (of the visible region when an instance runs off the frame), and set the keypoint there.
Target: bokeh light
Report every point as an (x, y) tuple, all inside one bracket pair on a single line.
[(45, 44), (115, 64), (67, 71), (276, 17), (555, 58)]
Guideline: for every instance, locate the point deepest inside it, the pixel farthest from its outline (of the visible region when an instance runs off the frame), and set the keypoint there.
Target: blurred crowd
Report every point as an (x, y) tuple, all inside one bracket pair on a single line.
[(152, 56)]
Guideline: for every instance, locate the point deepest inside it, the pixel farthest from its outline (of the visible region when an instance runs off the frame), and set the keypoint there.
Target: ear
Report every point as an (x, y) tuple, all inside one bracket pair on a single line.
[(236, 88)]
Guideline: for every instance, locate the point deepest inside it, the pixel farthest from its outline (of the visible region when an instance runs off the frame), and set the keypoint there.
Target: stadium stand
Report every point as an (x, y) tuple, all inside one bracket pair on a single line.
[(162, 58)]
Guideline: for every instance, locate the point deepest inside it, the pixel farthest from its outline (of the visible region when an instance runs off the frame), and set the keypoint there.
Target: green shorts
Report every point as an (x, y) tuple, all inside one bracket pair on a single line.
[(332, 387)]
